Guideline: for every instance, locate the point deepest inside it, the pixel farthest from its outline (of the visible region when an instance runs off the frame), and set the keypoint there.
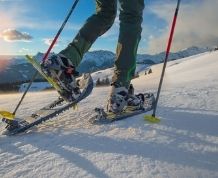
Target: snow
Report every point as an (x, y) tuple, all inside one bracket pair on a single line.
[(94, 60), (36, 86), (183, 144), (157, 58), (99, 57), (103, 74)]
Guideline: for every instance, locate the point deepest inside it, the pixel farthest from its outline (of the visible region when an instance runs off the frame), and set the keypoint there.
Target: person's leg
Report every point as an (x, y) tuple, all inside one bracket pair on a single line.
[(131, 13), (95, 26), (131, 16), (62, 67)]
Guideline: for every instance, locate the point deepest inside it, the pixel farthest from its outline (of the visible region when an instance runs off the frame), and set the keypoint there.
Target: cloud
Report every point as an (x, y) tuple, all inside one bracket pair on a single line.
[(36, 24), (48, 41), (24, 50), (196, 25), (19, 15), (11, 35)]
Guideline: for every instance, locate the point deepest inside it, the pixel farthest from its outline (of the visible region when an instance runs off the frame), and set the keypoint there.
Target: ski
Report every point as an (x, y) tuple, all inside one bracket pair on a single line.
[(103, 117), (50, 111), (15, 123)]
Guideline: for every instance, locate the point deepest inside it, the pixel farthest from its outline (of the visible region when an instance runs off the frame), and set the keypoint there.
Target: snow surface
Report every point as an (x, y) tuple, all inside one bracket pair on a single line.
[(103, 74), (183, 145), (36, 86)]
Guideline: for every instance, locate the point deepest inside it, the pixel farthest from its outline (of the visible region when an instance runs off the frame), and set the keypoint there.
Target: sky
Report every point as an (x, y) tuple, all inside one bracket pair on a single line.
[(28, 26)]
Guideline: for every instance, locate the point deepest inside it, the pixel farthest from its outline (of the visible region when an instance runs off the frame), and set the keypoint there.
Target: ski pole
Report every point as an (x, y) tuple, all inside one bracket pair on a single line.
[(47, 53), (165, 63)]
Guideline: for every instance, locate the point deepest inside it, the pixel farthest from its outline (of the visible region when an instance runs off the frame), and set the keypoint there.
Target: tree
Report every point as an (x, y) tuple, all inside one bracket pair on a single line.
[(107, 81), (98, 82), (149, 71)]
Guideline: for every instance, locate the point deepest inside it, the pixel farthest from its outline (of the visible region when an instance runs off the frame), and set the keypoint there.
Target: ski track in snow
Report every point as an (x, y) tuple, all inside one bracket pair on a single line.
[(184, 144)]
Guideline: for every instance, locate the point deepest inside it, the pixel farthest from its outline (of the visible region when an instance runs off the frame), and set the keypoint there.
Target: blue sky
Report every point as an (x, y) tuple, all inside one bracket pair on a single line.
[(39, 20)]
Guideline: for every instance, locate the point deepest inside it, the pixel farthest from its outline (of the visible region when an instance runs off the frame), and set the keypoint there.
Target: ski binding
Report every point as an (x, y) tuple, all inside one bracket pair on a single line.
[(104, 117)]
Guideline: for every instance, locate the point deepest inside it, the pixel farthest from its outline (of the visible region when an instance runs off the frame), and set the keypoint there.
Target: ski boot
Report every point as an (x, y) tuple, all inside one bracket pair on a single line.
[(60, 68), (121, 98)]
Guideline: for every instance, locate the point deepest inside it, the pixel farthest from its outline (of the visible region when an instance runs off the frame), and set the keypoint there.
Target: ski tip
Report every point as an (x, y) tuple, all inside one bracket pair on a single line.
[(151, 119), (7, 115)]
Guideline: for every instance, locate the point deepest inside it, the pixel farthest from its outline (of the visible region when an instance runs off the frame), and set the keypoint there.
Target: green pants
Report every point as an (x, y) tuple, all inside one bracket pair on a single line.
[(131, 13)]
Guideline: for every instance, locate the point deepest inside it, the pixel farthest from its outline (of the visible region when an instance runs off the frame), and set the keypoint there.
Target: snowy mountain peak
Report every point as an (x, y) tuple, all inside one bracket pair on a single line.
[(17, 68), (39, 56), (99, 57)]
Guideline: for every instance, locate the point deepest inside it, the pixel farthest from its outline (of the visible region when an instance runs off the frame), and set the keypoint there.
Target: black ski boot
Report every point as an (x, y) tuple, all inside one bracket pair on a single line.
[(60, 68)]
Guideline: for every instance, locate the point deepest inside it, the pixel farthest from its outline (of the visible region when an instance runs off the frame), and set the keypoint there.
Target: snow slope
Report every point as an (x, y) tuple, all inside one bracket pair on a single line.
[(184, 144), (103, 74), (36, 86)]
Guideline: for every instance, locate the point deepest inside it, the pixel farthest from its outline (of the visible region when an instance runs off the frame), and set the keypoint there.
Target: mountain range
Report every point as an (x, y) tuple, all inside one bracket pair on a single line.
[(17, 69)]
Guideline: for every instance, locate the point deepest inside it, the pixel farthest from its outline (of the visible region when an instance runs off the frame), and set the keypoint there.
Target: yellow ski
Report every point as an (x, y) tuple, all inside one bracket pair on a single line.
[(37, 66)]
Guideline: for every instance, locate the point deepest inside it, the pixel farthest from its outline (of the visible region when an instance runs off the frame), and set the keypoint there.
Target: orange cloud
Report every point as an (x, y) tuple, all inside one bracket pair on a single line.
[(15, 35)]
